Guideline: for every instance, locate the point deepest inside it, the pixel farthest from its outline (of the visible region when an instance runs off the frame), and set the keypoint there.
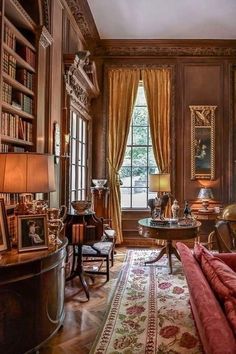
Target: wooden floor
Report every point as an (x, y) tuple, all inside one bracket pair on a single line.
[(83, 318)]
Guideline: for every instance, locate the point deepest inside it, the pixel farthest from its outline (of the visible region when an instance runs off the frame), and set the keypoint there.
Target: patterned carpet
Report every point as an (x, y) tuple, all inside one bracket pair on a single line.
[(149, 311)]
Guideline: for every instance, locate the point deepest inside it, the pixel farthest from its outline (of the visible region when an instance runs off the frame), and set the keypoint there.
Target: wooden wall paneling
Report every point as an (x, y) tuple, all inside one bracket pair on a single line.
[(202, 86), (100, 123), (55, 87), (233, 110)]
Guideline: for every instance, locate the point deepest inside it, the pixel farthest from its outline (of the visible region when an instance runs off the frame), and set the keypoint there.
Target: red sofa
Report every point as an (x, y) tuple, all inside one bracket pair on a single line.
[(212, 288)]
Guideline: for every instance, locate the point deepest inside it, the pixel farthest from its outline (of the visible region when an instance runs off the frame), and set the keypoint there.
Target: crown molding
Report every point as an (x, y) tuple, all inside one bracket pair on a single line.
[(84, 19), (165, 48)]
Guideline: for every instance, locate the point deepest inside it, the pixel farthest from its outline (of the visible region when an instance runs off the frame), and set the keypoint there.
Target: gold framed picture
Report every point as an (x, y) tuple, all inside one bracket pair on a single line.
[(32, 232), (202, 142)]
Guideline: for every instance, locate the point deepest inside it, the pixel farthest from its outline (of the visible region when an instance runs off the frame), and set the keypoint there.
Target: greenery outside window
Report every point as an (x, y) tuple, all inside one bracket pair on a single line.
[(78, 157), (139, 160)]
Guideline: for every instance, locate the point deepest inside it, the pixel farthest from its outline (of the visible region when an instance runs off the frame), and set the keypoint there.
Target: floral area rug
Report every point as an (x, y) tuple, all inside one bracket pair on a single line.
[(149, 311)]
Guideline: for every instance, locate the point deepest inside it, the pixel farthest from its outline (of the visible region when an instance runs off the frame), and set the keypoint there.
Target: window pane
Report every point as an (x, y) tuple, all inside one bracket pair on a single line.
[(125, 197), (73, 150), (151, 159), (127, 158), (125, 176), (74, 120), (140, 135), (140, 116), (129, 142), (139, 160), (141, 99), (139, 198), (73, 177), (139, 157)]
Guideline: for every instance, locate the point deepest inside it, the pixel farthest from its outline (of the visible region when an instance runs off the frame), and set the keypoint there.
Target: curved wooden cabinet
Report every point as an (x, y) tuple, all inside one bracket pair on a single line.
[(32, 287)]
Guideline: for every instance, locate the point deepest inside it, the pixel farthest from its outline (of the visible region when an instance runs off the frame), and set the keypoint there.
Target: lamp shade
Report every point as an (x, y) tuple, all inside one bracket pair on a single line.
[(26, 173), (205, 193), (159, 182)]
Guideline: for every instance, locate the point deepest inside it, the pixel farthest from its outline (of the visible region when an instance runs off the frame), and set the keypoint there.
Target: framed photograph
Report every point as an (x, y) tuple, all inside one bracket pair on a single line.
[(202, 142), (4, 233), (32, 232)]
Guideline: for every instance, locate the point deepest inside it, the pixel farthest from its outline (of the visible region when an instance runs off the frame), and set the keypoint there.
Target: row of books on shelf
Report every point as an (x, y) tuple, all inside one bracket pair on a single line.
[(21, 75), (6, 92), (25, 52), (15, 127), (9, 64), (11, 148), (16, 98), (9, 37), (25, 78)]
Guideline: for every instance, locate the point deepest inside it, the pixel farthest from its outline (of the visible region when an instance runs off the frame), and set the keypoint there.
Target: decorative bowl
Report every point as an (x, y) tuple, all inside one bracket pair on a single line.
[(99, 183), (81, 206)]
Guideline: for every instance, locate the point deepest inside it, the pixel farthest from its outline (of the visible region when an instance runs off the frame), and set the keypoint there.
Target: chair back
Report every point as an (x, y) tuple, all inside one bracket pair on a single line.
[(224, 236)]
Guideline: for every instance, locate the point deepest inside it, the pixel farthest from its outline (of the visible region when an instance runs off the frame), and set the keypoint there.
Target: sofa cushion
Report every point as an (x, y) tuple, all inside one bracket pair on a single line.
[(199, 250), (214, 329), (222, 280), (220, 276), (230, 310)]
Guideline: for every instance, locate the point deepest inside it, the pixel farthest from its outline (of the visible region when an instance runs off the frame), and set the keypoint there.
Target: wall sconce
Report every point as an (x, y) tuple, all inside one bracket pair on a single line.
[(67, 142)]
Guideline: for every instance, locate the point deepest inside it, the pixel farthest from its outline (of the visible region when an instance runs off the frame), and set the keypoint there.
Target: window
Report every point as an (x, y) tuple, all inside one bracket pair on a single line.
[(78, 157), (139, 160)]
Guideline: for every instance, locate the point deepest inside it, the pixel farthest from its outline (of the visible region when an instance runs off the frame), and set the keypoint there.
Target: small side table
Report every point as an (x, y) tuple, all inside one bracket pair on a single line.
[(208, 220)]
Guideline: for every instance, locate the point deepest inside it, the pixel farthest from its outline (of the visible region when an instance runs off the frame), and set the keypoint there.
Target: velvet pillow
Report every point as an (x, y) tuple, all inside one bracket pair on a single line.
[(199, 250), (230, 310), (210, 270), (223, 272)]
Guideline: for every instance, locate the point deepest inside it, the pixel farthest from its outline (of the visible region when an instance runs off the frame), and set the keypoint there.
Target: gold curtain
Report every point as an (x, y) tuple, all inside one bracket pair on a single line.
[(123, 86), (157, 91), (156, 84)]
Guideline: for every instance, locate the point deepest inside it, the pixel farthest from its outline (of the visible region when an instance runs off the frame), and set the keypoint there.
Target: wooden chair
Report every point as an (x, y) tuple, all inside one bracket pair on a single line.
[(224, 237), (102, 250)]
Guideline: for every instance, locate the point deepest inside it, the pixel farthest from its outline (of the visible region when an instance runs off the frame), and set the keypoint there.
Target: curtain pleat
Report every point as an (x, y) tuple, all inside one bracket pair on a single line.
[(157, 91), (123, 86)]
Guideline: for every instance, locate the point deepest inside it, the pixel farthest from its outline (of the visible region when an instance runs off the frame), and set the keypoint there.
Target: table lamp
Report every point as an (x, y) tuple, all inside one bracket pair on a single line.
[(205, 194), (160, 183), (26, 173)]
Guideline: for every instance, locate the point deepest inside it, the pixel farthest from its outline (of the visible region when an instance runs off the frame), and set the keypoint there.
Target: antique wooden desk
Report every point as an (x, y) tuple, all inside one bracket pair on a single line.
[(168, 233), (32, 286)]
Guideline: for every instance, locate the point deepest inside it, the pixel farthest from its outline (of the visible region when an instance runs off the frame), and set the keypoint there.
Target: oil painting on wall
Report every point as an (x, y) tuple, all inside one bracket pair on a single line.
[(202, 142)]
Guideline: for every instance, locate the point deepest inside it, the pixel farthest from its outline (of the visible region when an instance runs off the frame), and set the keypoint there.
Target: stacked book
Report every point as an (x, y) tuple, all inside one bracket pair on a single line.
[(13, 126), (27, 54), (9, 38), (9, 64), (23, 102), (25, 78), (6, 92)]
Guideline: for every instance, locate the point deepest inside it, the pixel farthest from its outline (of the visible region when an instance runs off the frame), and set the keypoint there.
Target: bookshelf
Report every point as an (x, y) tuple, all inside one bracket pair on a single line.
[(18, 74), (18, 64)]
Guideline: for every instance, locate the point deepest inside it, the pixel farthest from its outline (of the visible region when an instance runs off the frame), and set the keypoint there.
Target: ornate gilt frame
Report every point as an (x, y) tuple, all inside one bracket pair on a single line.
[(202, 142)]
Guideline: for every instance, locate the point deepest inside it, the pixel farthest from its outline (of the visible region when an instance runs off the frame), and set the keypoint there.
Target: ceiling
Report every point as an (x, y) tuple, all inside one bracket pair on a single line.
[(164, 19)]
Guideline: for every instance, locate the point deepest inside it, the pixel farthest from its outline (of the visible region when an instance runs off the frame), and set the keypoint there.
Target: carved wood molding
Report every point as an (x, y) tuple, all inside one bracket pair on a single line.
[(45, 38), (164, 48), (80, 80), (82, 14), (24, 13), (46, 17)]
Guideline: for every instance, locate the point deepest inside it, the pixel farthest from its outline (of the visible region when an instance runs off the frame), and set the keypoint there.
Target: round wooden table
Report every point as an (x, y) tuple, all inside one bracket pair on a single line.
[(168, 233)]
